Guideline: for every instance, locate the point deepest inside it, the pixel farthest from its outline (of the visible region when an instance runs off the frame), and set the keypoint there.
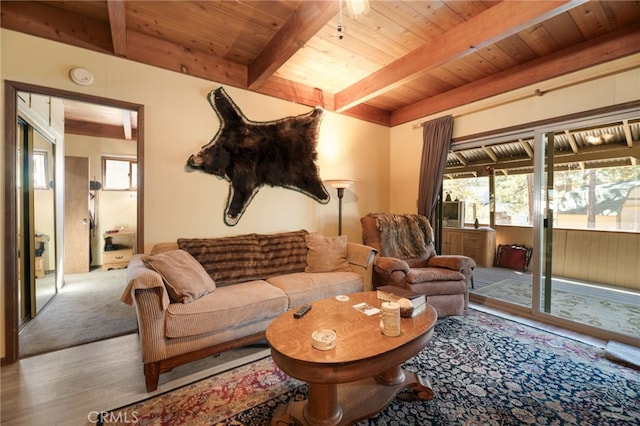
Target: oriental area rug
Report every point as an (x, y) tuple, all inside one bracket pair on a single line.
[(485, 370), (585, 304)]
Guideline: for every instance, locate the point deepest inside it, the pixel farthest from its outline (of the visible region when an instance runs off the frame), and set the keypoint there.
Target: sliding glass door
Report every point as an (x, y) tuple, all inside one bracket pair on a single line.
[(570, 193), (588, 232)]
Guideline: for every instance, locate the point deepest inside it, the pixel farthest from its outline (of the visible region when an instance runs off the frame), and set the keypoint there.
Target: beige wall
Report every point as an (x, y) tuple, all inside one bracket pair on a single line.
[(610, 84), (179, 120)]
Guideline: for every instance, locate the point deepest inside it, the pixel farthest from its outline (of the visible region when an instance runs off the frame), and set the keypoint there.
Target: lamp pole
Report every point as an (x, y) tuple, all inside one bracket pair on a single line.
[(340, 185), (340, 195)]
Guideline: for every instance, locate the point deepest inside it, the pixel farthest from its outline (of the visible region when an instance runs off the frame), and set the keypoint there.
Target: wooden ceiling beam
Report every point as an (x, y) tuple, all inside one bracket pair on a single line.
[(118, 24), (590, 53), (296, 92), (627, 133), (572, 141), (307, 20), (495, 24), (490, 153), (527, 148), (153, 51), (369, 113), (310, 96), (126, 124), (98, 130), (41, 20)]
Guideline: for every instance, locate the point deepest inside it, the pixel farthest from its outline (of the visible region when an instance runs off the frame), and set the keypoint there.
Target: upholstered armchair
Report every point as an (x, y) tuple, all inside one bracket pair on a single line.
[(407, 258)]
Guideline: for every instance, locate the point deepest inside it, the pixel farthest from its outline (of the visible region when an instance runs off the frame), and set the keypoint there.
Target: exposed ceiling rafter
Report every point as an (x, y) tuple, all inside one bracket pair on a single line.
[(402, 61)]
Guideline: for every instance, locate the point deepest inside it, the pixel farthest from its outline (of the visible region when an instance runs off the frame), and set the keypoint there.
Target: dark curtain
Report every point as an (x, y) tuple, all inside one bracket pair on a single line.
[(436, 137)]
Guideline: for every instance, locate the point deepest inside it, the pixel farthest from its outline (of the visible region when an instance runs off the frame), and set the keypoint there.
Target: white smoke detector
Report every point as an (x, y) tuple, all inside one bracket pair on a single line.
[(81, 76)]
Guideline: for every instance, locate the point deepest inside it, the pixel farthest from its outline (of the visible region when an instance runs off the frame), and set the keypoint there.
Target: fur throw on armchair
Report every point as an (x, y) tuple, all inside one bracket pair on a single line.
[(404, 236)]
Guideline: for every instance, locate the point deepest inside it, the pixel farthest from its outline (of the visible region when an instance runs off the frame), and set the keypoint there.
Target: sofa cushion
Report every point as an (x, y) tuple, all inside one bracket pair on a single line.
[(236, 259), (439, 288), (420, 275), (185, 278), (305, 287), (227, 307), (326, 254)]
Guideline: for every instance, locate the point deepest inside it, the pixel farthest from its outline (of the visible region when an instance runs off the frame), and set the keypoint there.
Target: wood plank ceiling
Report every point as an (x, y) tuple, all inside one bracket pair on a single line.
[(401, 61)]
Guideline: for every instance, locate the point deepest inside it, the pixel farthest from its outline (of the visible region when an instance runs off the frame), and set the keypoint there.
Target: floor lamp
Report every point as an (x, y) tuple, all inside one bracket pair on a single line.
[(340, 185)]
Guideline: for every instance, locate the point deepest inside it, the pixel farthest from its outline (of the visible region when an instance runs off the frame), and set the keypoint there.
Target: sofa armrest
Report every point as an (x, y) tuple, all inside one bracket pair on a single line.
[(146, 291), (361, 258), (140, 277), (164, 247)]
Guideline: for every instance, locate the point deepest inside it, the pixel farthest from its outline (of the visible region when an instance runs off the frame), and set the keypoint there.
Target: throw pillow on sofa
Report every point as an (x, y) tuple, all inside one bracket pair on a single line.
[(184, 277), (326, 254)]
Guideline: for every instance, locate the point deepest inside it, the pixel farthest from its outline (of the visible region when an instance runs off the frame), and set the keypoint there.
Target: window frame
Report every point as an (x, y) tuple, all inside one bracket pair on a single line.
[(133, 163), (44, 170), (526, 133)]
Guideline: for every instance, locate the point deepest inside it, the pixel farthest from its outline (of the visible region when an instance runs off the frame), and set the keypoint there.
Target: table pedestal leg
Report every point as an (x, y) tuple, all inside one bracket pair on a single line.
[(322, 405), (390, 377), (320, 409), (356, 400)]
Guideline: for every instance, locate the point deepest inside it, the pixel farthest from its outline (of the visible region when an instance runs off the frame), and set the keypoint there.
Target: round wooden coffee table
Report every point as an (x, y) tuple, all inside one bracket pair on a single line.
[(361, 375)]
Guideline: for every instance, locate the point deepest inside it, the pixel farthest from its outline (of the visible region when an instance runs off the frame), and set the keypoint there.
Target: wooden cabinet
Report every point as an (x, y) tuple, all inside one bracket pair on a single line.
[(479, 244), (119, 248)]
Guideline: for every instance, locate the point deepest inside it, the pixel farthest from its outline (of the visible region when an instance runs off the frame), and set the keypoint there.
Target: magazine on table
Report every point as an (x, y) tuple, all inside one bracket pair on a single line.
[(391, 293), (366, 308)]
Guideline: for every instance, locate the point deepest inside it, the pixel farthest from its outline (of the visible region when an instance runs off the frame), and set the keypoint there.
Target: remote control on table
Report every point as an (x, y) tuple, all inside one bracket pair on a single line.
[(303, 310)]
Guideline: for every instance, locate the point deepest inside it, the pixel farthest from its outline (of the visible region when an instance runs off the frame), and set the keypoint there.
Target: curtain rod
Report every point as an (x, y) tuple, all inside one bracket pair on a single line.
[(536, 92)]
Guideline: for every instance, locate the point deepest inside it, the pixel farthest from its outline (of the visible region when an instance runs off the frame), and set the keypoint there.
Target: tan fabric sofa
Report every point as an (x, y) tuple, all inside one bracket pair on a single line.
[(257, 277)]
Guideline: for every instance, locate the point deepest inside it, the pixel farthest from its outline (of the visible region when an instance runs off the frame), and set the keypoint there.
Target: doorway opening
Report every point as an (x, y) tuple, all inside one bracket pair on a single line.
[(37, 151)]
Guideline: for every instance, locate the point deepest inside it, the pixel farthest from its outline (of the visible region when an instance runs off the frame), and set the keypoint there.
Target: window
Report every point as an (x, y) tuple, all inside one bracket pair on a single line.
[(40, 170), (514, 198), (119, 174), (596, 177), (475, 194), (603, 199)]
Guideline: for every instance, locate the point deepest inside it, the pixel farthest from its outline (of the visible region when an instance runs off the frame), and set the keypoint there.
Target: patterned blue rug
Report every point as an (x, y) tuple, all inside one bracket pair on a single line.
[(486, 370)]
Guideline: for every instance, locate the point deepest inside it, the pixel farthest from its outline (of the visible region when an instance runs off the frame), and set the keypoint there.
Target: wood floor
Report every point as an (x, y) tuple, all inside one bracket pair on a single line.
[(67, 387)]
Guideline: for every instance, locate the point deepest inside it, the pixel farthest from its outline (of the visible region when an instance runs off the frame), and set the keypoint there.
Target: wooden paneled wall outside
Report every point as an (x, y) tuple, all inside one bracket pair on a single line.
[(604, 257)]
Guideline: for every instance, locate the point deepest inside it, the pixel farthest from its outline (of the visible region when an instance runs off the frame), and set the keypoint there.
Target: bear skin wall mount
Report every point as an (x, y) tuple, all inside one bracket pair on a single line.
[(251, 154)]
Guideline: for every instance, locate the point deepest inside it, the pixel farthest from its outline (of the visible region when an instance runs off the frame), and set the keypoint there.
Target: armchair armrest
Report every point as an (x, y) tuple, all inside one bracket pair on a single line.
[(389, 270), (392, 264), (453, 262)]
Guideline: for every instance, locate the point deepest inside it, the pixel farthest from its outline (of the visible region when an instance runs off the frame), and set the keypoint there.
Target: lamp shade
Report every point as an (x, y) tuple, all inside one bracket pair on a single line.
[(339, 183)]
